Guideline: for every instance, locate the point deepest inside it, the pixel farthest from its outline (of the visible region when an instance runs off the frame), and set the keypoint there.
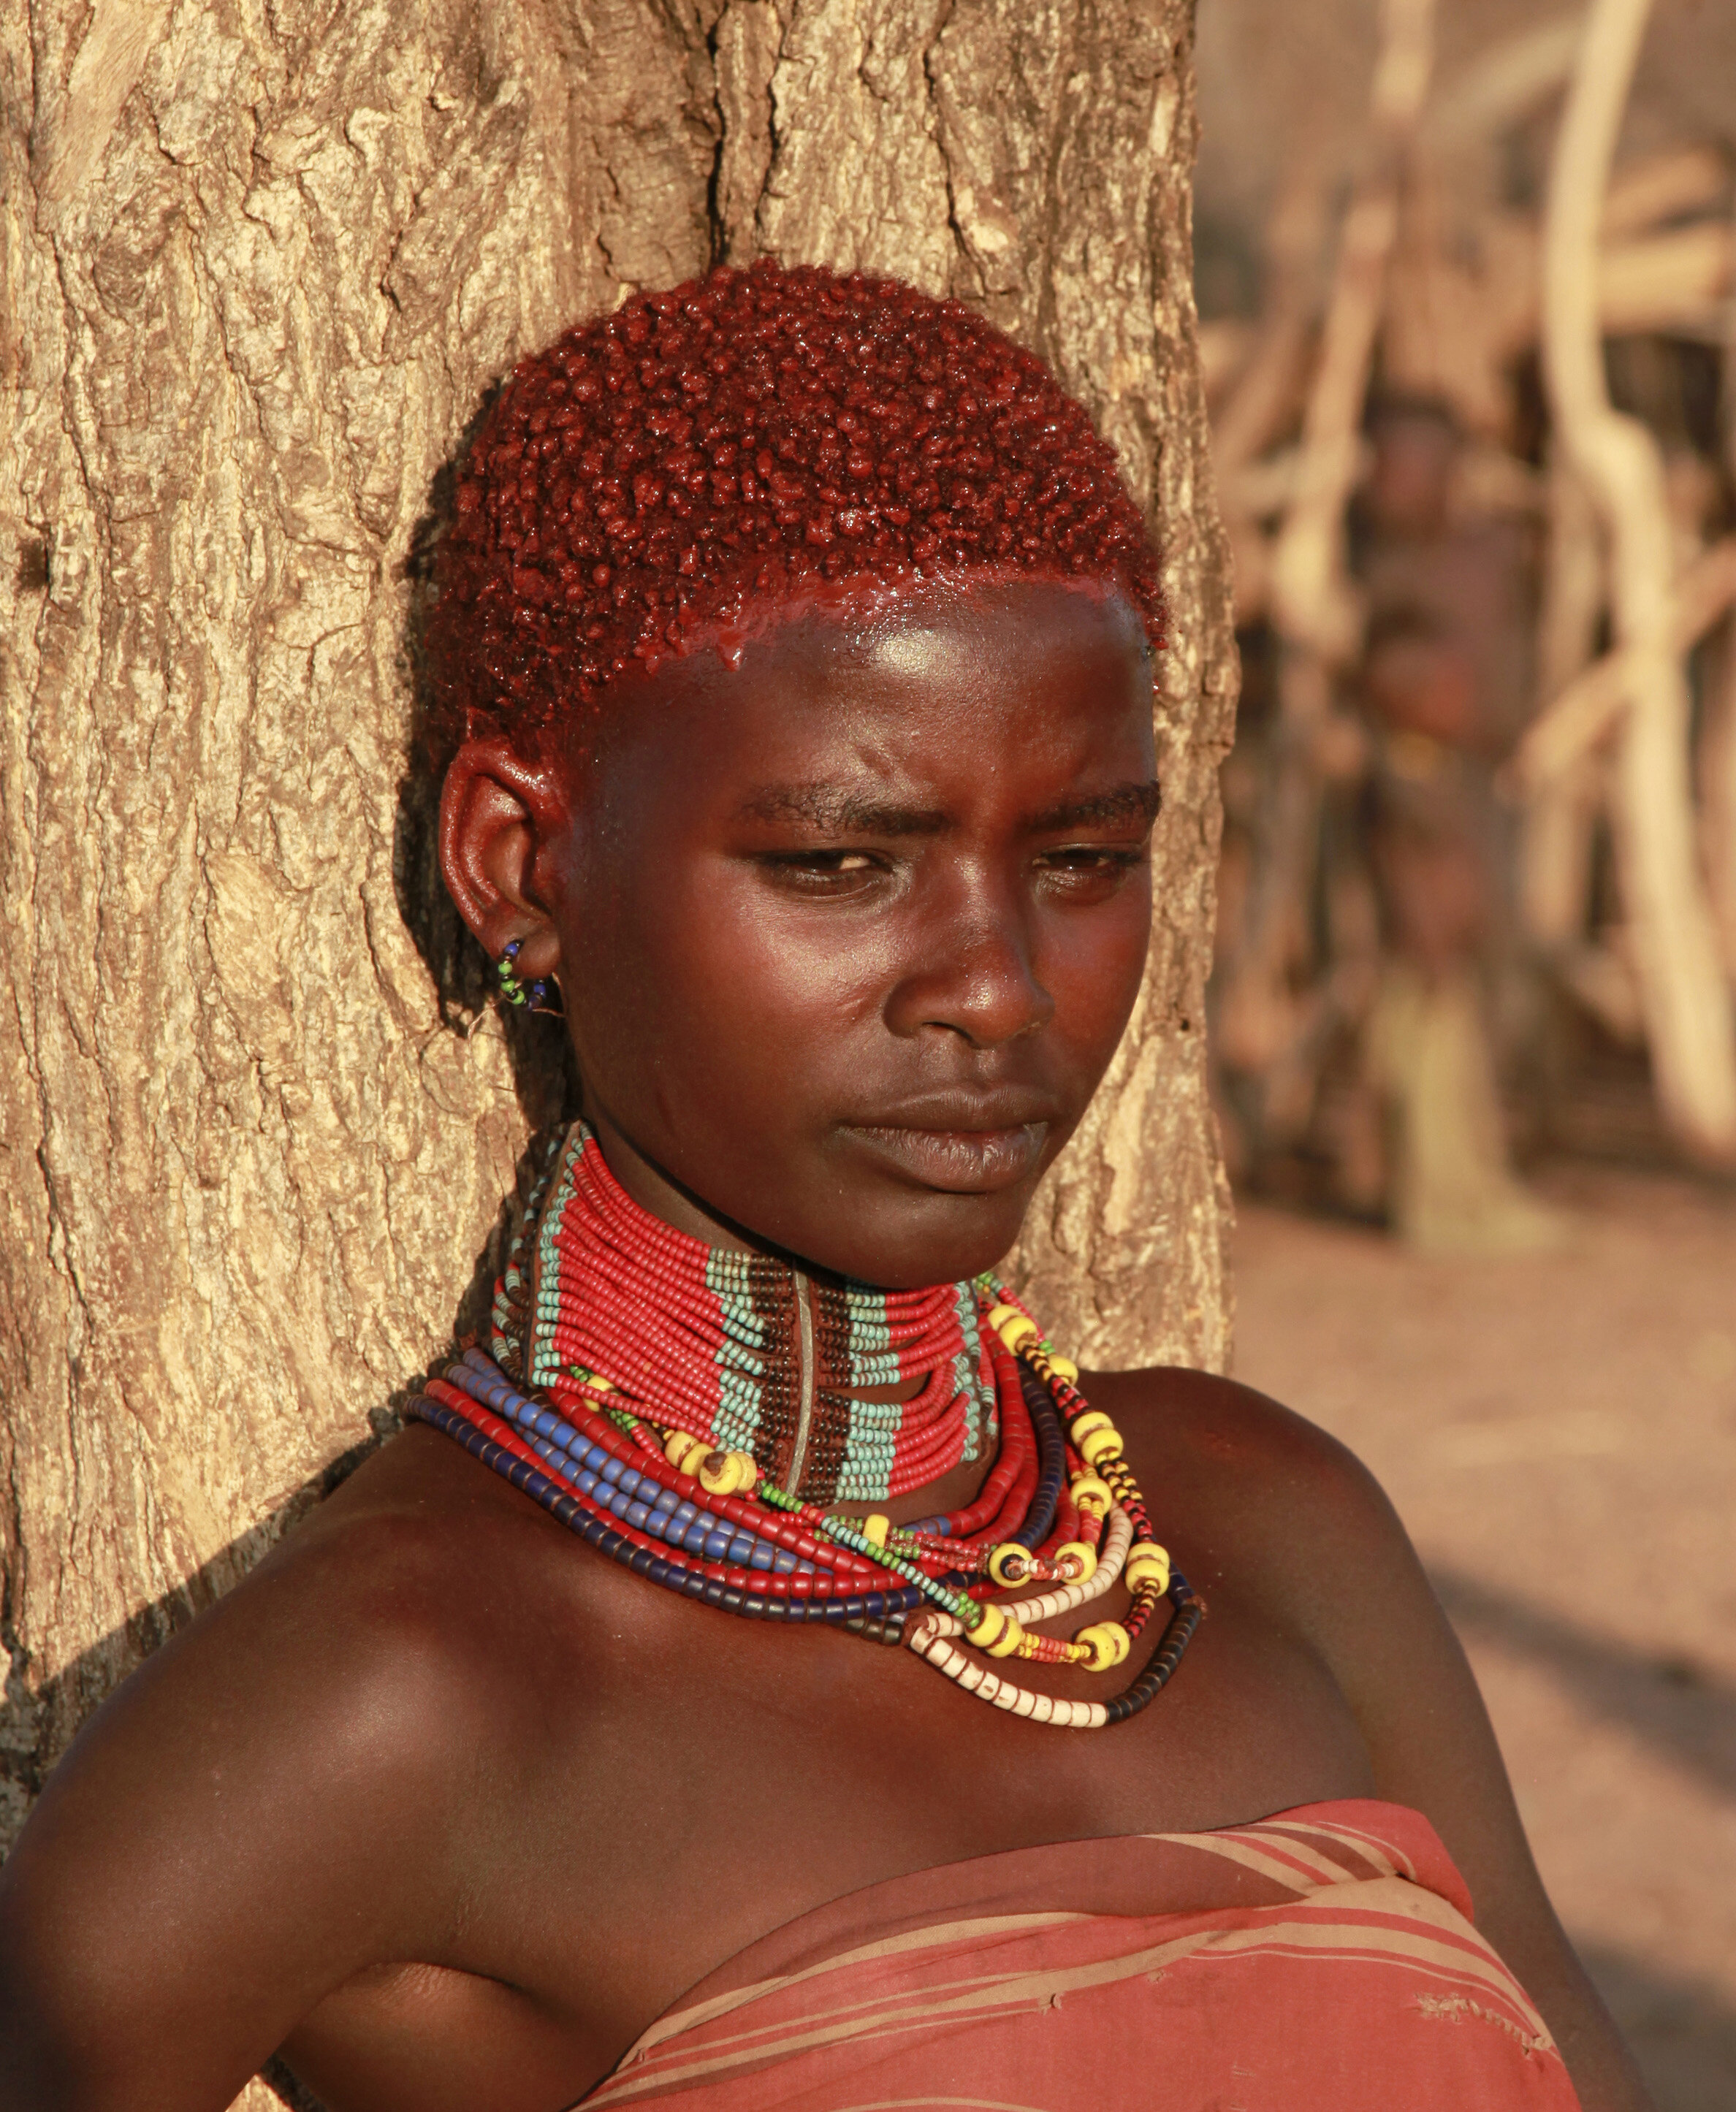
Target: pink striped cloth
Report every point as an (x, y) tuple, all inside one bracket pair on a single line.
[(1323, 1961)]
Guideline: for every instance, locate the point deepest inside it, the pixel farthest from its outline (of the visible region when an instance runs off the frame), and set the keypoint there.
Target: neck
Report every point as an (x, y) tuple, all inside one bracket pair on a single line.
[(658, 1193), (838, 1392), (645, 1182)]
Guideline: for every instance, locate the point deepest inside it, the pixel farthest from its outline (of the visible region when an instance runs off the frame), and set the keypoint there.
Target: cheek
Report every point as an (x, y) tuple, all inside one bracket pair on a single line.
[(1092, 964), (775, 967), (720, 988)]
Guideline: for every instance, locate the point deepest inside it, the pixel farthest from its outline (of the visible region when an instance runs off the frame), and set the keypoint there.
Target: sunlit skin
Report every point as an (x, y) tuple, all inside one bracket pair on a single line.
[(449, 1808)]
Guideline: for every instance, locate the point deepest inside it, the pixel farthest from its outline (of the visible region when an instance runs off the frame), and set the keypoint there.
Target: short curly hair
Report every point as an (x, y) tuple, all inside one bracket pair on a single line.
[(705, 463)]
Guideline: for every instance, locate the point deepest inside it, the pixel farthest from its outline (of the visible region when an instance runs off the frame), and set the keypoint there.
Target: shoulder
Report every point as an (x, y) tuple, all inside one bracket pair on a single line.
[(1217, 1416), (362, 1607), (386, 1615), (1262, 1505), (295, 1744), (1258, 1464), (383, 1591)]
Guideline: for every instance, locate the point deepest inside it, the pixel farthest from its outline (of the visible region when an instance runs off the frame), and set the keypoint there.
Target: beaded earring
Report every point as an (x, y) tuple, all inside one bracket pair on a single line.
[(514, 990)]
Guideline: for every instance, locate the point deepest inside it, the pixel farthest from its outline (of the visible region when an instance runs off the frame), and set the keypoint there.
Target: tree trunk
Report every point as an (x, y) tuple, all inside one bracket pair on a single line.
[(260, 267)]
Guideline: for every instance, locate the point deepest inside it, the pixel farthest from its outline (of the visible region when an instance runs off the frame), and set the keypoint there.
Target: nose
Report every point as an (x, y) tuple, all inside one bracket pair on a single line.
[(972, 974)]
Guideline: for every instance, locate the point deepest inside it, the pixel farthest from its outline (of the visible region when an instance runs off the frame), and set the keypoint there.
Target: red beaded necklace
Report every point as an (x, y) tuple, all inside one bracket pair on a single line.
[(629, 1443), (740, 1349)]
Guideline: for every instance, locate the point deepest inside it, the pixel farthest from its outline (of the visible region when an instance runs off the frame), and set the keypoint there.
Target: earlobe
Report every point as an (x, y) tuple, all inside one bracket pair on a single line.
[(498, 819)]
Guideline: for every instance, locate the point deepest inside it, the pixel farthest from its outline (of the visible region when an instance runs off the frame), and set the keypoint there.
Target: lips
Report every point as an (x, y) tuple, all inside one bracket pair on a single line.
[(974, 1144)]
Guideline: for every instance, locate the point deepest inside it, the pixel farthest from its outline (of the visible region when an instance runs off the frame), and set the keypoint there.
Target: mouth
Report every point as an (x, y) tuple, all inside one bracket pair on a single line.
[(973, 1161)]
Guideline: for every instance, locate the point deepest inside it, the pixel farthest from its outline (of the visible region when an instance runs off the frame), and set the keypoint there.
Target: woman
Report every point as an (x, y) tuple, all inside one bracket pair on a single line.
[(793, 660)]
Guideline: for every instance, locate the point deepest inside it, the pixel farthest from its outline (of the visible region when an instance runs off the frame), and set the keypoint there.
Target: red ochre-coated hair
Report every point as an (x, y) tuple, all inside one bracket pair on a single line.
[(707, 463)]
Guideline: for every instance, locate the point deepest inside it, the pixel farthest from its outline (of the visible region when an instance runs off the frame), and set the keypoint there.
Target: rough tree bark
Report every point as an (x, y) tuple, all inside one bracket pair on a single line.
[(261, 263)]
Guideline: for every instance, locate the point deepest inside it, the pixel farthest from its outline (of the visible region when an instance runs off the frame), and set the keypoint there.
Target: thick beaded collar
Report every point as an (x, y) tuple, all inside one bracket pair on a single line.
[(691, 1412)]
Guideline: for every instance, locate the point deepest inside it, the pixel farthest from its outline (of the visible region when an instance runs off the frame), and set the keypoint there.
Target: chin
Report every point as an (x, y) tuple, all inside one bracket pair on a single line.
[(937, 1239)]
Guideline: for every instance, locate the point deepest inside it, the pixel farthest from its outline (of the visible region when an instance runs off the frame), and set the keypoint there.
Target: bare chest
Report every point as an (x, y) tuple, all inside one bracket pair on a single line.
[(675, 1784)]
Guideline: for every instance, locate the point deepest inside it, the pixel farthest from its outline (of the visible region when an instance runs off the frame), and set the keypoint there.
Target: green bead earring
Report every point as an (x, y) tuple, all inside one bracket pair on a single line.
[(514, 990)]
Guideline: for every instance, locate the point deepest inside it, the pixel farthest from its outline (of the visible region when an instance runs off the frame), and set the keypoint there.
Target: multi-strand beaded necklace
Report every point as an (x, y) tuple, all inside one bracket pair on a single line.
[(692, 1410)]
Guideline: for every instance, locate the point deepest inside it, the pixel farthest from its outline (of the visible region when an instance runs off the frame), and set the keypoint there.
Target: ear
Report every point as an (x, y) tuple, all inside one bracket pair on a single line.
[(500, 819)]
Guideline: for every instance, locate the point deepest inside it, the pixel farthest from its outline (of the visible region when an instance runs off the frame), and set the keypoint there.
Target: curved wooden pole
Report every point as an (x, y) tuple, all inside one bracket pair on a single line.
[(1684, 995), (1259, 1022), (1560, 809), (1311, 599), (1717, 795), (1585, 710)]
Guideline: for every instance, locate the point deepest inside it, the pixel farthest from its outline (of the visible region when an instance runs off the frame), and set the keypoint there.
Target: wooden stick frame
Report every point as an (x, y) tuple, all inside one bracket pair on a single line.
[(1683, 995)]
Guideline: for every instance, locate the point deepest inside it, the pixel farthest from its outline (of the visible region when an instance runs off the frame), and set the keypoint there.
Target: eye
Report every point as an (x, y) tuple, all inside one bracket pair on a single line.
[(1089, 870), (824, 872)]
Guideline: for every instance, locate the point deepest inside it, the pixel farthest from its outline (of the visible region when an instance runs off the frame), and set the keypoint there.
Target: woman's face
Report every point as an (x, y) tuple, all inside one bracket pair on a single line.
[(848, 933)]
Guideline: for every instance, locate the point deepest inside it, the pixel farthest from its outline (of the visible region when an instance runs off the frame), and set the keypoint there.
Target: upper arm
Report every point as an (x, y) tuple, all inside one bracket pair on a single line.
[(1331, 1560), (1405, 1676), (227, 1840)]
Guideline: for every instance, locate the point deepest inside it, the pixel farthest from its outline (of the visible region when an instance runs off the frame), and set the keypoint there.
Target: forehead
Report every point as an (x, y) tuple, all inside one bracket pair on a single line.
[(1029, 678)]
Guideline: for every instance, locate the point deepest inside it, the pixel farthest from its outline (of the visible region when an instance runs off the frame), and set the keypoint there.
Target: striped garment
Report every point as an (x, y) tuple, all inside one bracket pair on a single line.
[(1323, 1961)]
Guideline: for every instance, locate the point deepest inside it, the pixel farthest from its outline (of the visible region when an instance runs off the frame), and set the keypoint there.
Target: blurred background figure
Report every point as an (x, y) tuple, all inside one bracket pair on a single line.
[(1384, 1099), (1467, 283), (1445, 686)]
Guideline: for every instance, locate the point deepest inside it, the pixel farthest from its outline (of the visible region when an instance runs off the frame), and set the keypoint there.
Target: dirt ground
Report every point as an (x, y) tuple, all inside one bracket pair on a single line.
[(1560, 1435)]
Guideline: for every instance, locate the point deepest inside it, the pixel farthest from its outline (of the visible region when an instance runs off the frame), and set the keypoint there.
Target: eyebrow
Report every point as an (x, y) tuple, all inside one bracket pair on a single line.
[(835, 810), (1135, 801)]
